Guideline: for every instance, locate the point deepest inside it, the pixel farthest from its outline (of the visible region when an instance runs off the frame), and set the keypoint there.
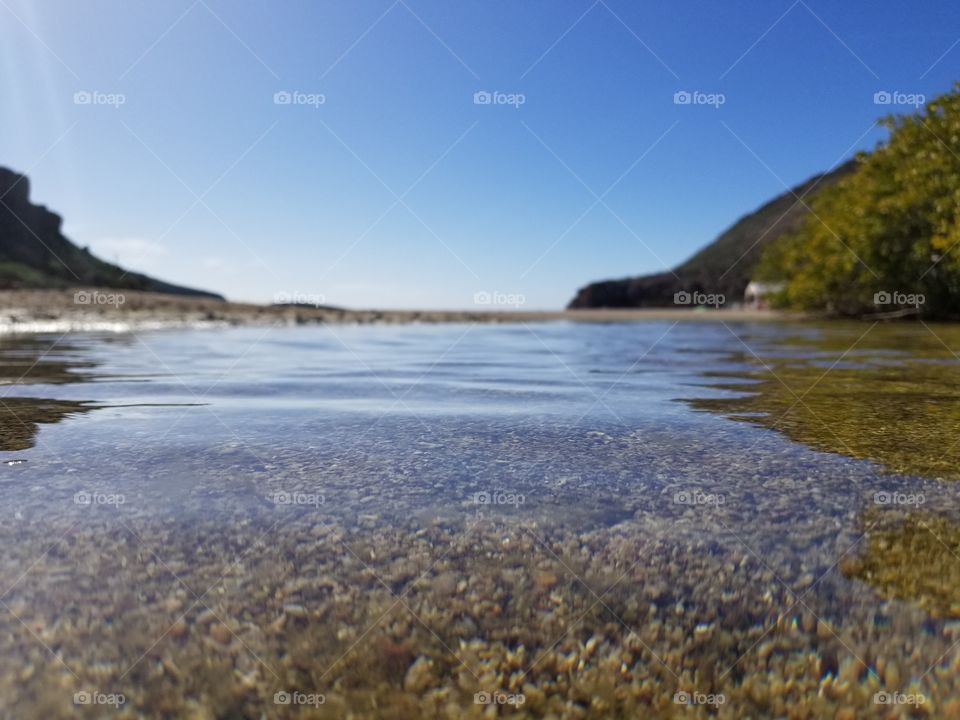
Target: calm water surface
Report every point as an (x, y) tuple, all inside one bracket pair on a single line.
[(591, 518)]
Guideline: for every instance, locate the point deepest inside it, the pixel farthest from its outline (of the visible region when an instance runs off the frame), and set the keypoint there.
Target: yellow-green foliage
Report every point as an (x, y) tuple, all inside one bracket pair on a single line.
[(891, 226)]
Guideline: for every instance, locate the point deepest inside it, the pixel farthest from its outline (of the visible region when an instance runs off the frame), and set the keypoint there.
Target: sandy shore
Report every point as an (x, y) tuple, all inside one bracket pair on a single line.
[(110, 310)]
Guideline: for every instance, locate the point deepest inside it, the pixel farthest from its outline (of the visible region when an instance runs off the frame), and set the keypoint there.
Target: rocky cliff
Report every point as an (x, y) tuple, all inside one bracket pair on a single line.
[(35, 254)]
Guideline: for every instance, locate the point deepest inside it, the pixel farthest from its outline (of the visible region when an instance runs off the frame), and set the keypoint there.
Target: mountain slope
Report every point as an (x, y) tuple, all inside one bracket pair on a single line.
[(35, 254), (725, 265)]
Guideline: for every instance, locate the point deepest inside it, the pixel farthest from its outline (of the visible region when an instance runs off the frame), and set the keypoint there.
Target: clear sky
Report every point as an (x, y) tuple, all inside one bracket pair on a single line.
[(398, 189)]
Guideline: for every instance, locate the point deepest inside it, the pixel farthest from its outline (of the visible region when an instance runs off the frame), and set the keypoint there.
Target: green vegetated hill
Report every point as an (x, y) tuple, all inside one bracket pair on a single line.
[(886, 238), (726, 265), (878, 236), (35, 254)]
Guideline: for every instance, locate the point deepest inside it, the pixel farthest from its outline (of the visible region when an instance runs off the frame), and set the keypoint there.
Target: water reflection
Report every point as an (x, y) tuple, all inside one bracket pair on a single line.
[(20, 417), (889, 393), (29, 360)]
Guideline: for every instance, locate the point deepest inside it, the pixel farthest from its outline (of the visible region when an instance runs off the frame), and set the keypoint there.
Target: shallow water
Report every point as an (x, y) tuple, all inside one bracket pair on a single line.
[(573, 520)]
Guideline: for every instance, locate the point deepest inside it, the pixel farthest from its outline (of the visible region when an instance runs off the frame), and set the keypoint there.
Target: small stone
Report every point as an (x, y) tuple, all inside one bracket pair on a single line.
[(545, 580), (420, 675), (178, 629), (221, 633), (294, 610), (278, 624), (171, 669), (892, 675), (172, 604), (445, 583)]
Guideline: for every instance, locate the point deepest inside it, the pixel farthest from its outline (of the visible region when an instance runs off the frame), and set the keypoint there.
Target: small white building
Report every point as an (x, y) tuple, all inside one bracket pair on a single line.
[(757, 295)]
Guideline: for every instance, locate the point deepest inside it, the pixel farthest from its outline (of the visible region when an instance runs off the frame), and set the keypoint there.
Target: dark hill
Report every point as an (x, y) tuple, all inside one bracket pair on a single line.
[(35, 254), (709, 271)]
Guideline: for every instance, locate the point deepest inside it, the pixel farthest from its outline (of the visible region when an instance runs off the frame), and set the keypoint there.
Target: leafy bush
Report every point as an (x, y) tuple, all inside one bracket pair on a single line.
[(890, 231)]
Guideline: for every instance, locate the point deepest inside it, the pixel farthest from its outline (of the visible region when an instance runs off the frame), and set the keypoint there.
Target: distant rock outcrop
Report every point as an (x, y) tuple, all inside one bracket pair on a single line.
[(35, 254), (724, 266)]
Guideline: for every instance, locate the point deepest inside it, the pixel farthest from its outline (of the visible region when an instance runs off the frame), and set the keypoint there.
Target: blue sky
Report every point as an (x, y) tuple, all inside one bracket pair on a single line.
[(398, 190)]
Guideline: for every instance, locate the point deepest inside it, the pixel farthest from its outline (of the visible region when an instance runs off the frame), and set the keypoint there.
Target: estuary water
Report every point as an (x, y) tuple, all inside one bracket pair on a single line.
[(650, 519)]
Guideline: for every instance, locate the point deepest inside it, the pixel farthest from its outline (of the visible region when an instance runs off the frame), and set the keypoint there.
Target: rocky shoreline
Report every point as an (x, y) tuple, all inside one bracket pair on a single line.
[(109, 310)]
